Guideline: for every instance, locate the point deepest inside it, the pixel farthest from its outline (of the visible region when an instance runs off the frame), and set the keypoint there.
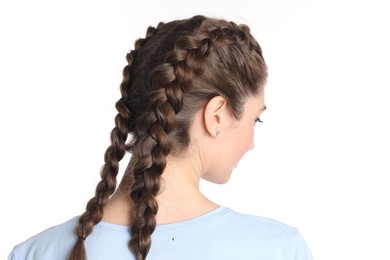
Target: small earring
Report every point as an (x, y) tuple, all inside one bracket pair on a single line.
[(217, 133)]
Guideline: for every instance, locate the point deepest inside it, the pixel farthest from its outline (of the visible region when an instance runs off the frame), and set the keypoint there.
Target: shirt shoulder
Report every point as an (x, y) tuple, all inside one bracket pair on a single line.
[(270, 238), (258, 226), (52, 243), (227, 234), (267, 237)]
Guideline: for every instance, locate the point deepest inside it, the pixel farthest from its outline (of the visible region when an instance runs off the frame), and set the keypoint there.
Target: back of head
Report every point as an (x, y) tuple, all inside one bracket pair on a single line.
[(171, 74)]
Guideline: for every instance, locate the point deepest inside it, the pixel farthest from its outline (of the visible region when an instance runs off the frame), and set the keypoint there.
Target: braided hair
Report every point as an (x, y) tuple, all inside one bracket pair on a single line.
[(171, 74)]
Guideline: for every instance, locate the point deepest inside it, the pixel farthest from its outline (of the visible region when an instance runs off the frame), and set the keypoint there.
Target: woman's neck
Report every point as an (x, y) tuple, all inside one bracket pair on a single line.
[(179, 198)]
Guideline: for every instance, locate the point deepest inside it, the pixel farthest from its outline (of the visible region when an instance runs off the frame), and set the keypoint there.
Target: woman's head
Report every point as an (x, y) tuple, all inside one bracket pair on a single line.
[(184, 65), (171, 75)]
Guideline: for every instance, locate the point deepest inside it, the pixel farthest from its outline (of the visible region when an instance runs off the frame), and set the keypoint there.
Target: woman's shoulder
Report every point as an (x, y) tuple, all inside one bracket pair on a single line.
[(228, 234), (258, 223), (267, 236), (225, 220), (55, 241)]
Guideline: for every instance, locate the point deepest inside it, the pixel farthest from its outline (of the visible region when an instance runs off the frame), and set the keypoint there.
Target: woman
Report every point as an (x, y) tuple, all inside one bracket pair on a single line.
[(192, 92)]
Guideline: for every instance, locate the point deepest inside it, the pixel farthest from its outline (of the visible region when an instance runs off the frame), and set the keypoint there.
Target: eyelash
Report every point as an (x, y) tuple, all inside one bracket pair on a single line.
[(258, 120)]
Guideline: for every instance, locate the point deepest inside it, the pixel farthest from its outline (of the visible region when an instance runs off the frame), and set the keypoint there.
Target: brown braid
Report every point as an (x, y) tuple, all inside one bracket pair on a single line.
[(170, 75), (114, 153), (152, 143)]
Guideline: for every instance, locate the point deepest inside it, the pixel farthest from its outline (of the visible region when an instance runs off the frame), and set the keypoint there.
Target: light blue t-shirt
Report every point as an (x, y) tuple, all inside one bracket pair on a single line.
[(220, 234)]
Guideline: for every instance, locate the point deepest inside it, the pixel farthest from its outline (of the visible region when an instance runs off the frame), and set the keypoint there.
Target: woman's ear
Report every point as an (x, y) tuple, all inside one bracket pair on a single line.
[(214, 115)]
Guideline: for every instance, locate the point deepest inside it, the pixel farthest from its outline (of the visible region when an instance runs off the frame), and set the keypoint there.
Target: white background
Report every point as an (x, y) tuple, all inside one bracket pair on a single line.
[(321, 156)]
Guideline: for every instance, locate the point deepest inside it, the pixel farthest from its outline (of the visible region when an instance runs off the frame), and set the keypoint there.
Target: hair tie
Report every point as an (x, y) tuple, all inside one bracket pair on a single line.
[(82, 238)]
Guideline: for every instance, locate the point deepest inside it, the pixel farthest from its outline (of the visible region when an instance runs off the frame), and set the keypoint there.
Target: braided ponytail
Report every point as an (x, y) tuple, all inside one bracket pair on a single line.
[(114, 153)]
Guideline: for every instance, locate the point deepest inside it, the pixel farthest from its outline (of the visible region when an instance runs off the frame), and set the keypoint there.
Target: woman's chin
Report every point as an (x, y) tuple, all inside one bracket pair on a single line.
[(221, 179)]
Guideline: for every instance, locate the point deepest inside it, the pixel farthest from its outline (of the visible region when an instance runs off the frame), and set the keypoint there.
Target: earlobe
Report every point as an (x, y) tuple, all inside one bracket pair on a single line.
[(214, 115)]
